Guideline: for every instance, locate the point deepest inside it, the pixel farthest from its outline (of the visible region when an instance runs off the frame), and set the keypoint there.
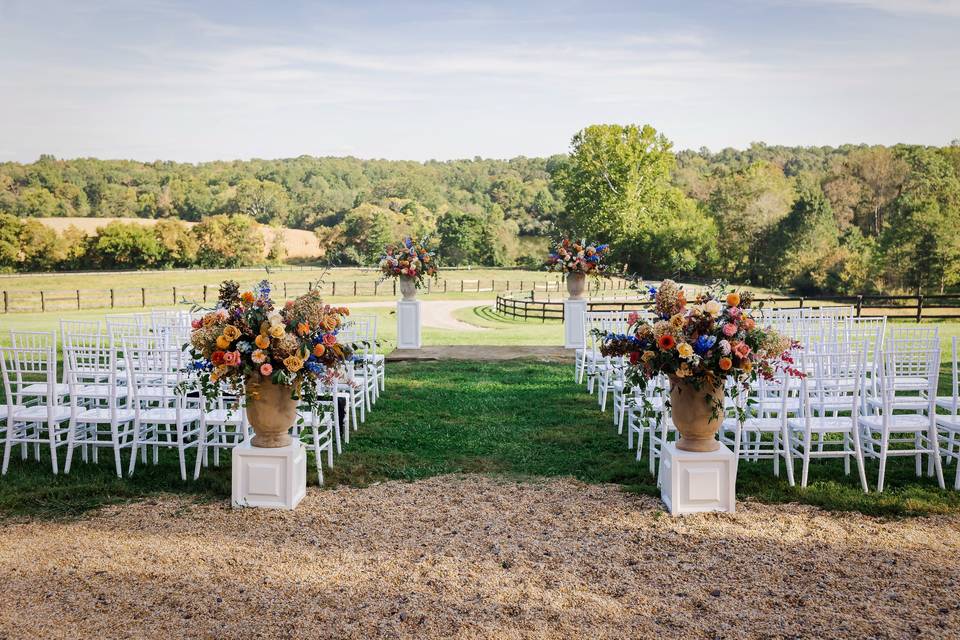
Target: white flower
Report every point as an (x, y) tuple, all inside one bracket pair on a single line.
[(724, 347), (713, 308)]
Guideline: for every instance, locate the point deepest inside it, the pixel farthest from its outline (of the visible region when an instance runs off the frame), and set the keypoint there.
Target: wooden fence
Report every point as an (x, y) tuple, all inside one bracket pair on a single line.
[(935, 307), (17, 301)]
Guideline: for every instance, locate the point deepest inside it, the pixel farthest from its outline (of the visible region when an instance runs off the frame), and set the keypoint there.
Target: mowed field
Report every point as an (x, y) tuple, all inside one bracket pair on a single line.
[(299, 243)]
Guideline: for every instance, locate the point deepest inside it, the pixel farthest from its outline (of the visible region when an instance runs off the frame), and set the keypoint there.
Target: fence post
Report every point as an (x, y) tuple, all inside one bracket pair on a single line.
[(43, 302), (354, 288), (204, 293), (143, 296), (376, 286), (801, 302), (444, 285), (113, 298), (394, 286), (6, 301), (333, 288), (919, 307), (859, 305), (174, 295), (461, 286), (78, 299)]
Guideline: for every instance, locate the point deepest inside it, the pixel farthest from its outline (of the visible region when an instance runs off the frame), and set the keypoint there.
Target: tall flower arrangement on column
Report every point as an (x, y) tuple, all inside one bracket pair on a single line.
[(699, 346), (246, 341), (409, 259), (578, 256)]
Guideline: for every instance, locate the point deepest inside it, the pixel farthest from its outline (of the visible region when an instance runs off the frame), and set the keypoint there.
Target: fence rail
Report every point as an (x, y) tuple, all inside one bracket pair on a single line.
[(22, 301), (918, 308)]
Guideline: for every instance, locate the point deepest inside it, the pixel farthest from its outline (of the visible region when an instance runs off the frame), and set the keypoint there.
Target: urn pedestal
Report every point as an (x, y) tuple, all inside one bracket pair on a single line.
[(698, 481), (573, 310), (408, 324), (272, 478)]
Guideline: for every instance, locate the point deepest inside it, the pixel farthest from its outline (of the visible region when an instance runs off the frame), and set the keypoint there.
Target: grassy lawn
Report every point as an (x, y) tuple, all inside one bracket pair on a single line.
[(513, 419)]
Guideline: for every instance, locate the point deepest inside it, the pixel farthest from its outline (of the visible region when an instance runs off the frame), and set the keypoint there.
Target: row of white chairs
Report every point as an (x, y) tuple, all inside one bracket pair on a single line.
[(868, 393), (119, 389)]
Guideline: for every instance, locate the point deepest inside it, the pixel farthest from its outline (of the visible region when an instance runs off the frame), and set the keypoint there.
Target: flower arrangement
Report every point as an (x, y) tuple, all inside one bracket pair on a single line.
[(703, 343), (245, 340), (409, 258), (570, 256)]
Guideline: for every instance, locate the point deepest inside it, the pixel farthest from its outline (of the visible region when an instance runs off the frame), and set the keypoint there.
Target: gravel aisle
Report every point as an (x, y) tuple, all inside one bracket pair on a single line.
[(472, 556)]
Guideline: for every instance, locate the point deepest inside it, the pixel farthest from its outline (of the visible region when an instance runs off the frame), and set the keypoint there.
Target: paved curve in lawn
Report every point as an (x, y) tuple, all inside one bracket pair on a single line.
[(438, 314)]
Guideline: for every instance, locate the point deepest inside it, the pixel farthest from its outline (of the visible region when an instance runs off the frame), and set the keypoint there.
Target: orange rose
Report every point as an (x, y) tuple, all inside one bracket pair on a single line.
[(666, 342), (248, 297), (725, 364), (733, 299), (303, 328), (262, 341), (318, 350)]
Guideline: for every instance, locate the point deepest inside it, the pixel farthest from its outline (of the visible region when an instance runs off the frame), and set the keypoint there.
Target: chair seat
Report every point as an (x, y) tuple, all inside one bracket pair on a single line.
[(950, 423), (839, 424), (40, 389), (38, 413), (947, 402), (100, 391), (168, 415), (103, 415), (223, 417), (898, 422), (904, 404), (756, 425)]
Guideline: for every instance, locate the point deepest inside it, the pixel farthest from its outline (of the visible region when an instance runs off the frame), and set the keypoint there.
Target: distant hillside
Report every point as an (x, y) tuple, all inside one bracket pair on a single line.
[(299, 244)]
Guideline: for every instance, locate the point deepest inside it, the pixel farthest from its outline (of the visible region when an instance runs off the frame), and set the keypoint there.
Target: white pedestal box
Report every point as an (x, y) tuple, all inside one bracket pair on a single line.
[(270, 478), (573, 311), (408, 324), (694, 482)]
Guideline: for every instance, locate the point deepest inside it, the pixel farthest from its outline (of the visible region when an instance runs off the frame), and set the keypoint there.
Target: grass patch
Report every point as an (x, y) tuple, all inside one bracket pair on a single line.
[(511, 419)]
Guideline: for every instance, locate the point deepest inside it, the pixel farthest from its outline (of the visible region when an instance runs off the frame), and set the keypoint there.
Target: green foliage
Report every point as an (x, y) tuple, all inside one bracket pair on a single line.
[(228, 241), (617, 190), (122, 245)]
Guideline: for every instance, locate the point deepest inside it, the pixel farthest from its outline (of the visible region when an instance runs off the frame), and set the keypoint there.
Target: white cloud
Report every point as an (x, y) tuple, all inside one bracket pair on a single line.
[(944, 8)]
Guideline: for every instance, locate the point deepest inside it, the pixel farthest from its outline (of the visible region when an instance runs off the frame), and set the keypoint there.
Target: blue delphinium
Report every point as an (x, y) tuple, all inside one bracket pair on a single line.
[(244, 347), (314, 367), (704, 344)]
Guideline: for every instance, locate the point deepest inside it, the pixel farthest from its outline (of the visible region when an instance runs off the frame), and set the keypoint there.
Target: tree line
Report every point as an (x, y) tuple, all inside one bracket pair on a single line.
[(853, 218)]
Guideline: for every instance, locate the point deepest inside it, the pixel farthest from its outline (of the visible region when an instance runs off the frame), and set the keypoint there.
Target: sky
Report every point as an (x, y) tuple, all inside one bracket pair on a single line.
[(194, 81)]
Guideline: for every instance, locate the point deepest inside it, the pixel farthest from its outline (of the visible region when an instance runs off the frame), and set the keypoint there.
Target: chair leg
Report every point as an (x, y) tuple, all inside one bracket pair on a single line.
[(52, 433), (71, 444)]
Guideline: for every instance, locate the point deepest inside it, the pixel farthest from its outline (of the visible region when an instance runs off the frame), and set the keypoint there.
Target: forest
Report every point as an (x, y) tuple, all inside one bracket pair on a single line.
[(845, 219)]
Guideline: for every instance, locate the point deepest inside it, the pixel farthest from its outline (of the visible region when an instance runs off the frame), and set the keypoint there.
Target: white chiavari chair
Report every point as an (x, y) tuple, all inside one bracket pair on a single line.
[(162, 416), (903, 422), (222, 426), (948, 425), (35, 414), (99, 414), (830, 423)]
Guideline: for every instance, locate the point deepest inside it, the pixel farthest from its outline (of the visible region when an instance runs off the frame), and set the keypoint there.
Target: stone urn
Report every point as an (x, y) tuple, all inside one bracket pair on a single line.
[(697, 414), (408, 287), (576, 282), (271, 412)]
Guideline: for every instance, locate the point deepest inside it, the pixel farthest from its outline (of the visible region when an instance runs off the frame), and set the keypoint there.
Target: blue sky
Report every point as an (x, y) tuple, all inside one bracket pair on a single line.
[(193, 81)]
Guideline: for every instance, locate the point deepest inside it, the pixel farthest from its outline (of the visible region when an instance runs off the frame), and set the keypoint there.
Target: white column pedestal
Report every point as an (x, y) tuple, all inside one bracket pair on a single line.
[(408, 324), (270, 478), (573, 311), (693, 482)]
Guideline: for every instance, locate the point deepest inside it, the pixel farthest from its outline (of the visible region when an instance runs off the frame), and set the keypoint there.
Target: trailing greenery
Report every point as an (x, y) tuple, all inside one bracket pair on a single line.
[(848, 219), (515, 419)]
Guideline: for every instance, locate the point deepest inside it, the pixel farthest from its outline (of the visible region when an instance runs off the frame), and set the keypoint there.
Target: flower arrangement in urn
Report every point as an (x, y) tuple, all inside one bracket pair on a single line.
[(699, 346), (577, 259), (275, 358), (411, 262)]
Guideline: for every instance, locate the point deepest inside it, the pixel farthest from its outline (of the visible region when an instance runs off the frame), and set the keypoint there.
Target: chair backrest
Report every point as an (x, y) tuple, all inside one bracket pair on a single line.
[(833, 381), (30, 366), (69, 328), (154, 371), (93, 374), (911, 360)]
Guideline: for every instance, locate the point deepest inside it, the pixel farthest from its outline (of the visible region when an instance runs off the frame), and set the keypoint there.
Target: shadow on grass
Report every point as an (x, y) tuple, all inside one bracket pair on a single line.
[(513, 419)]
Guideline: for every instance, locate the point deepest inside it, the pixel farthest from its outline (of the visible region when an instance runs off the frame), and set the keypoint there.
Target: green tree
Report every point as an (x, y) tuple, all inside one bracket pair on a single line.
[(802, 246), (229, 241), (178, 246), (9, 241), (39, 247), (126, 245)]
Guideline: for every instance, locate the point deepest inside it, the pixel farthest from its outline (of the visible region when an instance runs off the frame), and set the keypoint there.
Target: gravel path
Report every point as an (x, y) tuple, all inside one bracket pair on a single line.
[(469, 557), (438, 314)]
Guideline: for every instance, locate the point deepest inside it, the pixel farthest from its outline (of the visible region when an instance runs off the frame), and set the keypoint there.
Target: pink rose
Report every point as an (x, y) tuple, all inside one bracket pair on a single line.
[(742, 350), (266, 369), (231, 358), (329, 340), (196, 324), (729, 329), (734, 312), (633, 317)]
